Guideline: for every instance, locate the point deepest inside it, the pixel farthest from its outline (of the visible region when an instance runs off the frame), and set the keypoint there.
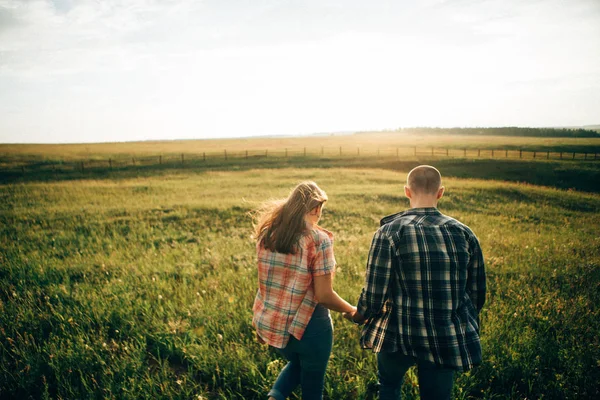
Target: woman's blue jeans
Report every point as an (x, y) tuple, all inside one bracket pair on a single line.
[(307, 359), (435, 382)]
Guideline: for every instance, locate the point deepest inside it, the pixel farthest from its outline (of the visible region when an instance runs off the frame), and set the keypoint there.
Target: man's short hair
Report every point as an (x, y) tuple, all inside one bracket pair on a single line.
[(424, 179)]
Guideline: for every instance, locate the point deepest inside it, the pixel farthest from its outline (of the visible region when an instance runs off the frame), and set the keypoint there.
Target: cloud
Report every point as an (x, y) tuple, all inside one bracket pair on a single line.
[(226, 66), (66, 37)]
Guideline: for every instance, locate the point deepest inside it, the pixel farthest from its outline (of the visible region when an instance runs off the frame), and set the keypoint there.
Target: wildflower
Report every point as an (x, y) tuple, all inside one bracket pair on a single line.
[(220, 337), (160, 296), (179, 382)]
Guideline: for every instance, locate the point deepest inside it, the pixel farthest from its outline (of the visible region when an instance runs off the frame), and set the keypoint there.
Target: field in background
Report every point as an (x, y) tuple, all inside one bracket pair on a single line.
[(569, 163), (138, 282), (368, 143)]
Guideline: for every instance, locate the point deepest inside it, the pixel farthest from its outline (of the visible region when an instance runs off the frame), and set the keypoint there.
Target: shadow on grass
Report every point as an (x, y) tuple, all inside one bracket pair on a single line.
[(566, 174)]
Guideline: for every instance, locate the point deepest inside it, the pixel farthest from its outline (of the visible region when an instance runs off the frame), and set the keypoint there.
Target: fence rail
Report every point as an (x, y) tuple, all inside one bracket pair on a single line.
[(401, 153)]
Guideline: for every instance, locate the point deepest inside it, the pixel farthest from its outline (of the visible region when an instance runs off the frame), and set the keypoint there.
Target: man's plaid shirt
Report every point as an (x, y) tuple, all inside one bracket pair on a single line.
[(425, 285)]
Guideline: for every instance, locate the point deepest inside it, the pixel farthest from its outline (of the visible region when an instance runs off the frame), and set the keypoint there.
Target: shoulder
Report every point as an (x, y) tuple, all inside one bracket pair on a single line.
[(468, 232), (319, 237), (322, 235)]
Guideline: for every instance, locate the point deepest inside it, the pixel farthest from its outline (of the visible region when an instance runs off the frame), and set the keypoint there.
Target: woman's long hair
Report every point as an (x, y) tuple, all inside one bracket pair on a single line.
[(280, 223)]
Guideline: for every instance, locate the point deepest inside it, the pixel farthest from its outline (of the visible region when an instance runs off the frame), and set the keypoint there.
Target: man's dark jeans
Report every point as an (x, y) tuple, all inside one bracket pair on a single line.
[(435, 382)]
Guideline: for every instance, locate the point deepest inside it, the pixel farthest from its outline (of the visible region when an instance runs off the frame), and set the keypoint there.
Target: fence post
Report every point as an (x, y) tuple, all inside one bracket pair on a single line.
[(478, 152), (322, 150), (573, 155), (246, 154), (505, 153), (534, 154), (520, 153), (358, 151), (415, 150), (203, 156), (446, 152), (133, 160), (340, 150), (432, 151), (110, 163), (378, 152)]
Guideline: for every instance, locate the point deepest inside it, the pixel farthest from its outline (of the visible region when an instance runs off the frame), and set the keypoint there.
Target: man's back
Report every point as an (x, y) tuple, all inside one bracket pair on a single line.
[(425, 288)]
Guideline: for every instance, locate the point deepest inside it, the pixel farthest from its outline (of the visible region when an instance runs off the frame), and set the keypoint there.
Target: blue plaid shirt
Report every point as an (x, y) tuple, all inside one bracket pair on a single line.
[(425, 286)]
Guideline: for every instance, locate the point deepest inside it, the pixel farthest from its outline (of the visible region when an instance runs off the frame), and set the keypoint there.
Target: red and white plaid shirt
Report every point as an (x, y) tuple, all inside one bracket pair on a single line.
[(285, 300)]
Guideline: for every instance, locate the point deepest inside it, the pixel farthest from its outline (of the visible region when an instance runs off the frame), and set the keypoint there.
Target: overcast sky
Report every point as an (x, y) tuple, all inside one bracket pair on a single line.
[(114, 70)]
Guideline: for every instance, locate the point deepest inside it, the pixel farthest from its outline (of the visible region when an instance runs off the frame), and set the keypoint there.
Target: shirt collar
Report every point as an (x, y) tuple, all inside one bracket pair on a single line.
[(412, 211)]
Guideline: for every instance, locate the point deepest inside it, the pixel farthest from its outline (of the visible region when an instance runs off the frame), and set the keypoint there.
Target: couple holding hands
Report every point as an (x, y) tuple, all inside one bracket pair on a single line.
[(424, 289)]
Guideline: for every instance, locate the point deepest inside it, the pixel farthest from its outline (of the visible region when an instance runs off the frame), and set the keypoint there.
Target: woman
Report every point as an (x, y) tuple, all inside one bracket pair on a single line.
[(295, 273)]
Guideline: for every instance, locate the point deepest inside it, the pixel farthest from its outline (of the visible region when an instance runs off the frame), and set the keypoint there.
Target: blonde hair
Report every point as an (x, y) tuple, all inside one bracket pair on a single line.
[(280, 223)]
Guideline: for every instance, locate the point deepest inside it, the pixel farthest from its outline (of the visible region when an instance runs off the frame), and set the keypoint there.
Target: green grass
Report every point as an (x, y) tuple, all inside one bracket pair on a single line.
[(367, 142), (566, 174), (138, 283)]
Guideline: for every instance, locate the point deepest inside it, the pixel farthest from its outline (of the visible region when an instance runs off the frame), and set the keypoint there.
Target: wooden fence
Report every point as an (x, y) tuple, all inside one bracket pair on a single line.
[(401, 153)]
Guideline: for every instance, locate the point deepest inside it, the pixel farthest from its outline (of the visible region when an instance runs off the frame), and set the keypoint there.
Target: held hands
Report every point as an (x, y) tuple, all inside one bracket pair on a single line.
[(349, 315), (354, 316)]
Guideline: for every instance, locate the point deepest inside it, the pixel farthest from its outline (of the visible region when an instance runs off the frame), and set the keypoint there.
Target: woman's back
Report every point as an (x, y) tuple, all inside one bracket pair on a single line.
[(285, 300)]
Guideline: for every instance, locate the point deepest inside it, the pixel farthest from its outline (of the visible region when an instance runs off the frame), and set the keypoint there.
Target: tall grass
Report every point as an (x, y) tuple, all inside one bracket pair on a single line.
[(142, 287)]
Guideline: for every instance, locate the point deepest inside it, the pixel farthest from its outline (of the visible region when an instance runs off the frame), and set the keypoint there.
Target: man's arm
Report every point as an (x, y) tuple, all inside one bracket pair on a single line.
[(379, 270), (476, 285)]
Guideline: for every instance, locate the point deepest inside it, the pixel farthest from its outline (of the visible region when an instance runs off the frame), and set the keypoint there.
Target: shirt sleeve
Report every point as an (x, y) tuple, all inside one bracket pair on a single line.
[(324, 261), (379, 270), (476, 285)]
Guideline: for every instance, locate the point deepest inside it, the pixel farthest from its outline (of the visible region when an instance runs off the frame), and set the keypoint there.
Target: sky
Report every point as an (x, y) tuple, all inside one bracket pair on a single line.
[(120, 70)]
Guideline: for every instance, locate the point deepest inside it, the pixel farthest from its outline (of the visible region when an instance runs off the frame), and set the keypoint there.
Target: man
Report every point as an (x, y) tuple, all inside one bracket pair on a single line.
[(425, 286)]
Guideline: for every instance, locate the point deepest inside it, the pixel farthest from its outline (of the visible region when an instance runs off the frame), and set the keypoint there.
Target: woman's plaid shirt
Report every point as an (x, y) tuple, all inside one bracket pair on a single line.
[(425, 285), (285, 300)]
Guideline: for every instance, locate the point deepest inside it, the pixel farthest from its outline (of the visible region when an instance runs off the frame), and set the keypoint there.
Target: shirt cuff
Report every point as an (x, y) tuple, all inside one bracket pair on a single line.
[(361, 307)]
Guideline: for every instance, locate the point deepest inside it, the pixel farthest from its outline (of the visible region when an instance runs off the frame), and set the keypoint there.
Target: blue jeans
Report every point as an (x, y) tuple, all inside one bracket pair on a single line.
[(307, 358), (435, 382)]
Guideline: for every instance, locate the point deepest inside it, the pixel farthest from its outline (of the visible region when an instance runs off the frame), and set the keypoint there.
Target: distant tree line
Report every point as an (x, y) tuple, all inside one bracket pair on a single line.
[(508, 131)]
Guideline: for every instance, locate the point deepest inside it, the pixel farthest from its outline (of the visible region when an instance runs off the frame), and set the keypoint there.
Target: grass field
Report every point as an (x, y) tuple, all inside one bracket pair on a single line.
[(368, 143), (138, 283)]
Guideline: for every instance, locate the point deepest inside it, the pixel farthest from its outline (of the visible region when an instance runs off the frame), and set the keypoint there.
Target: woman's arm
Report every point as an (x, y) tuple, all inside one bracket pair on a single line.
[(326, 296)]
